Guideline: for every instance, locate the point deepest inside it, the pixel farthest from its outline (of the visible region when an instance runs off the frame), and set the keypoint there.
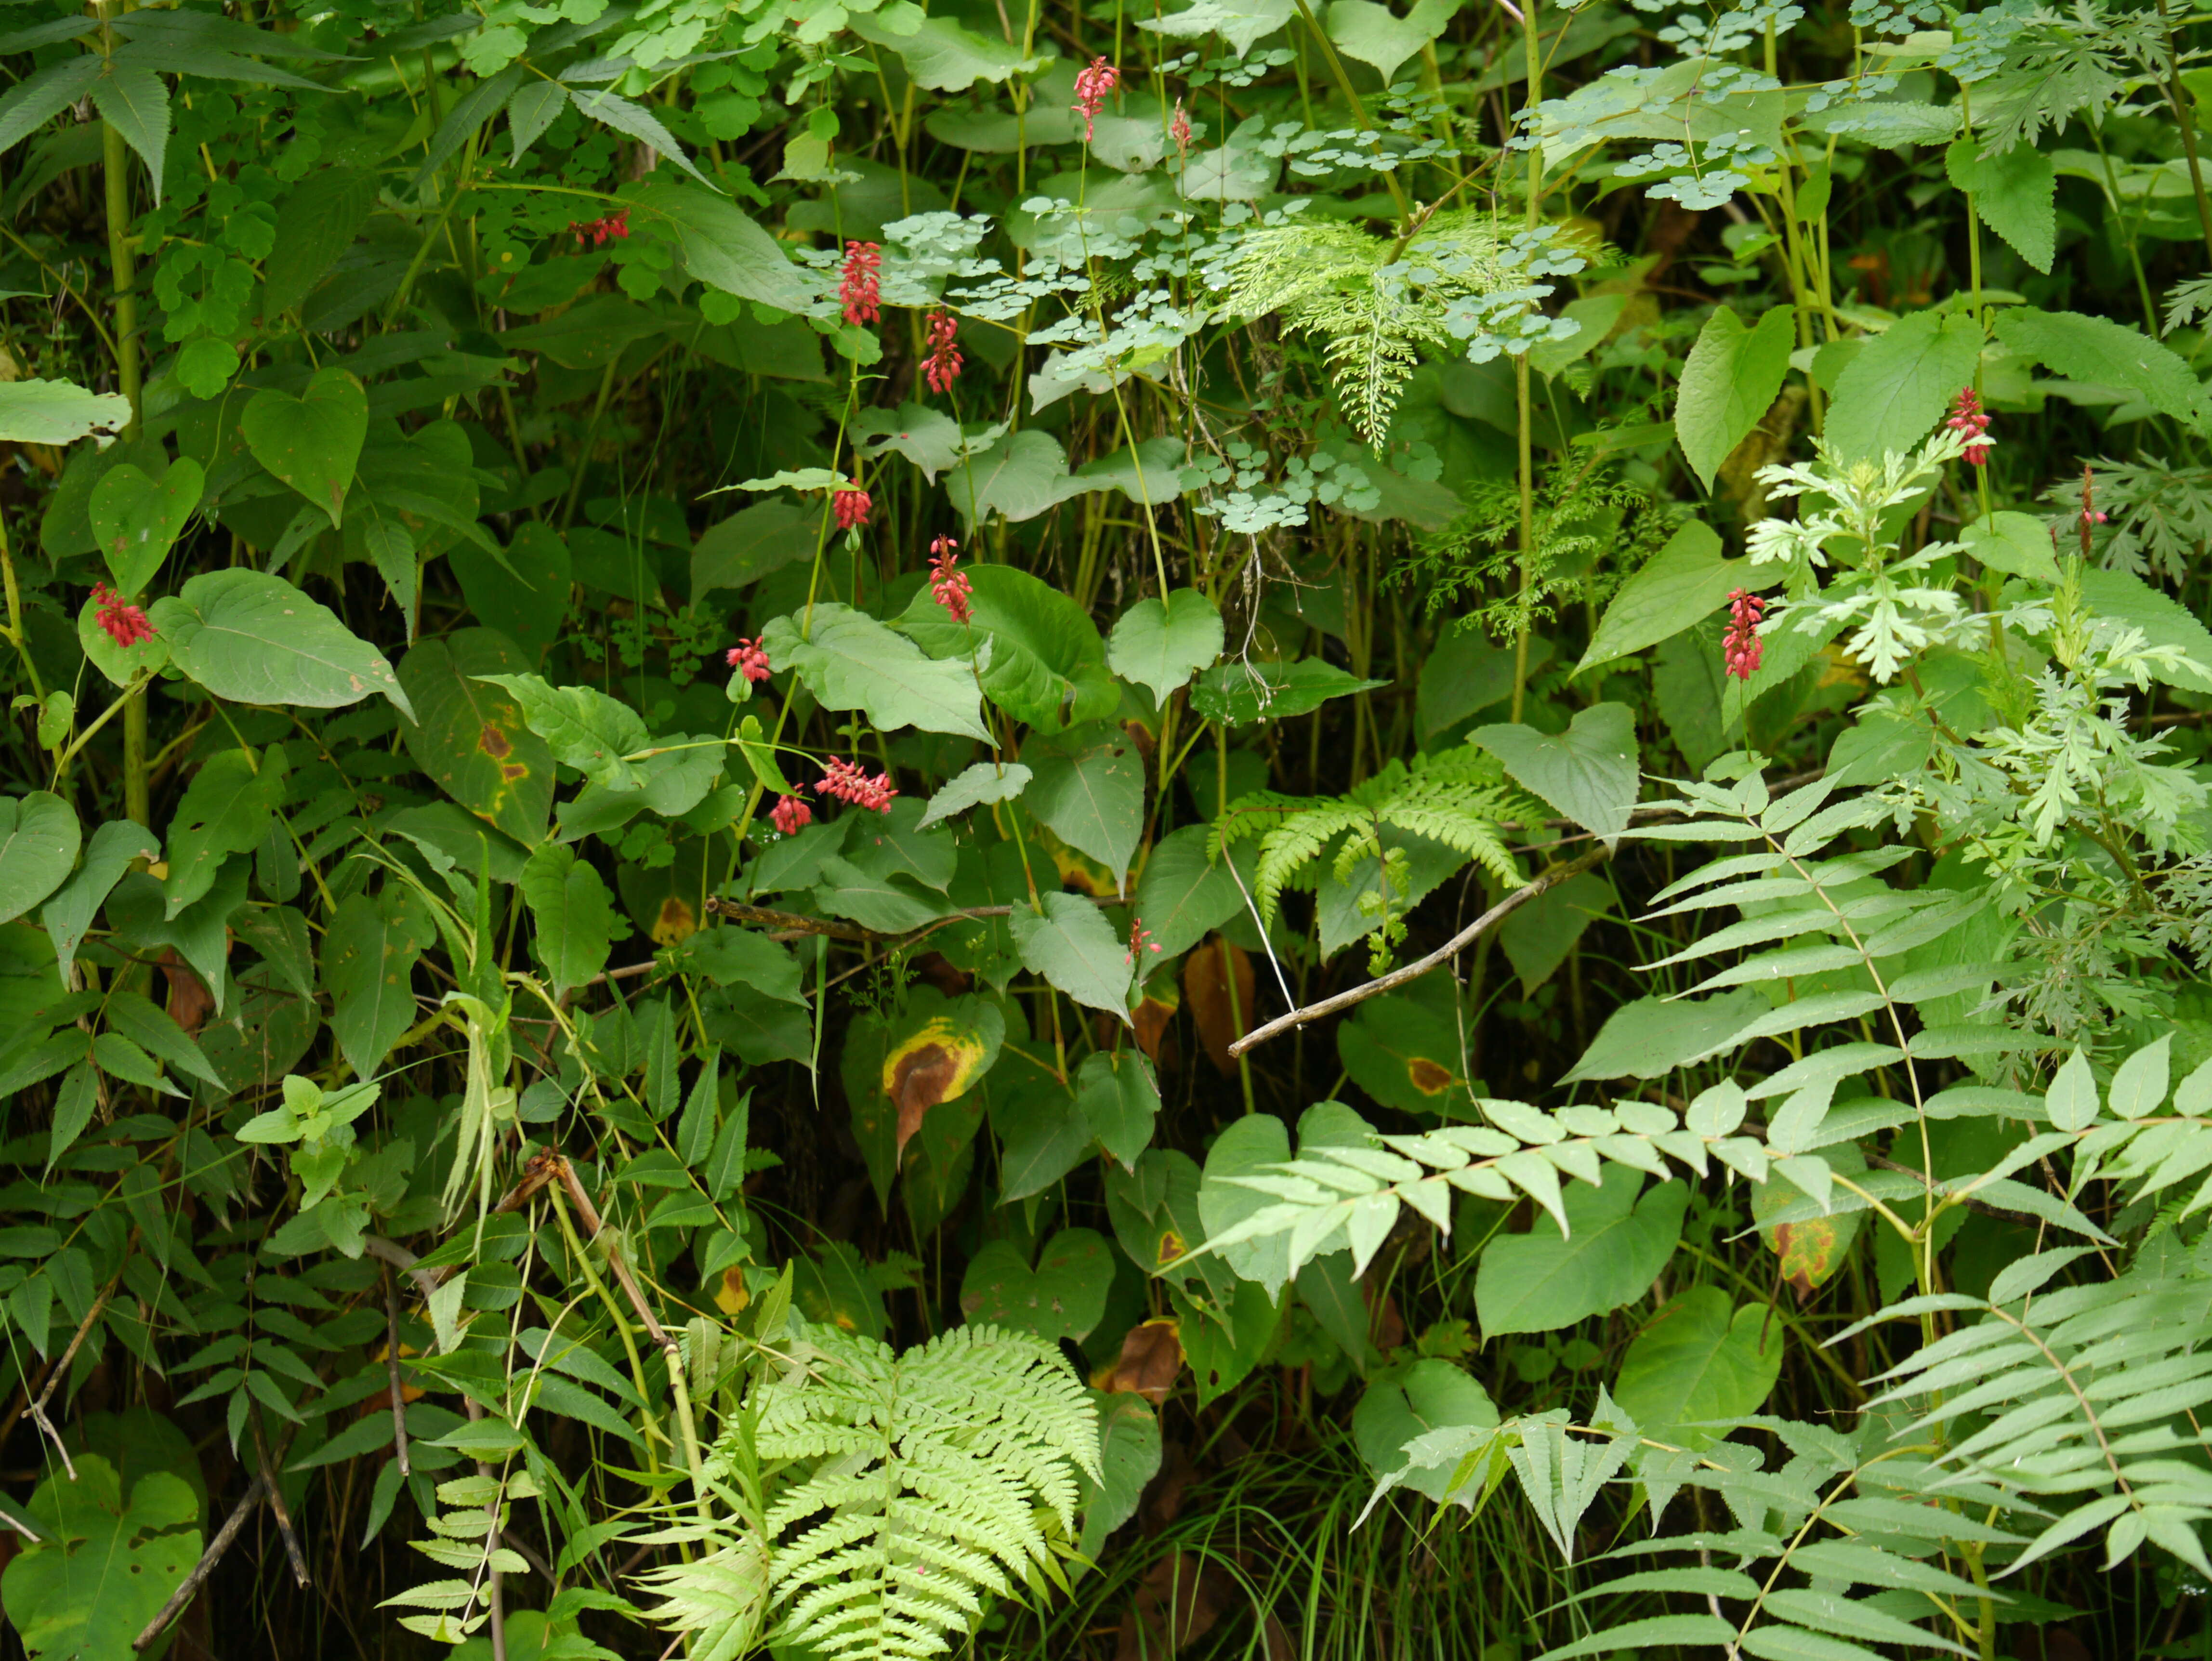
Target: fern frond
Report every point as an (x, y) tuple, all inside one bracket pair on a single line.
[(915, 1487), (721, 1595), (1253, 816), (1289, 846), (1464, 817)]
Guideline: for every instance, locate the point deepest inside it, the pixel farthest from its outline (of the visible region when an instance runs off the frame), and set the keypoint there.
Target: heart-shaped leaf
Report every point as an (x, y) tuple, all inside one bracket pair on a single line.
[(312, 442), (139, 519), (1063, 1297), (254, 638), (120, 664)]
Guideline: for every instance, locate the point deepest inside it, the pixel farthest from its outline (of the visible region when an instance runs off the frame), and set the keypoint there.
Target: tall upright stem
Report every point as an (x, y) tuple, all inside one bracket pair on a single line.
[(1521, 388), (115, 164)]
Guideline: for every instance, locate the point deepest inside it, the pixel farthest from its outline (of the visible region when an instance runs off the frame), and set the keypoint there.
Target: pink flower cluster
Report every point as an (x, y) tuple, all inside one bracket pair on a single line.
[(1141, 941), (852, 505), (790, 815), (748, 658), (126, 625), (948, 587), (941, 367), (1968, 418), (1740, 647), (1179, 131), (594, 233), (1092, 89), (842, 780), (860, 285)]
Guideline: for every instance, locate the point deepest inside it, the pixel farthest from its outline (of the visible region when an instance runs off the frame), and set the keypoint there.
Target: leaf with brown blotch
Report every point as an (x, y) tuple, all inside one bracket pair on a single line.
[(189, 1001), (932, 1064), (1813, 1252), (1209, 989), (1150, 1359)]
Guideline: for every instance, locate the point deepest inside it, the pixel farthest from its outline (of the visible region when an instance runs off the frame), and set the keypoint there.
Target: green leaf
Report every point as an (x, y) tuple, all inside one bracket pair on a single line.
[(1588, 773), (2016, 194), (134, 102), (2017, 543), (2103, 353), (849, 660), (1686, 581), (57, 411), (1091, 798), (154, 1030), (1900, 383), (972, 787), (313, 441), (470, 735), (1021, 475), (1182, 896), (1251, 1146), (1373, 34), (68, 916), (531, 111), (1043, 1133), (1699, 1360), (38, 843), (1071, 945), (1432, 1395), (635, 121), (319, 221), (101, 1569), (74, 1099), (2071, 1100), (1161, 644), (1618, 1246), (583, 728), (1239, 22), (571, 913), (368, 957), (2119, 597), (720, 244), (1633, 1637), (1120, 1099), (29, 104), (1129, 1459), (928, 438), (1407, 1055), (136, 519), (254, 638), (1063, 1297), (227, 809), (1730, 382), (752, 543), (1239, 693), (1650, 1037), (942, 55), (1537, 938), (1045, 665)]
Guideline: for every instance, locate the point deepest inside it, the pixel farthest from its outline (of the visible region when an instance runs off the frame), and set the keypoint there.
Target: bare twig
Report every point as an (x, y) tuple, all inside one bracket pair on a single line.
[(1438, 959), (189, 1586), (392, 1365), (276, 1506), (61, 1371)]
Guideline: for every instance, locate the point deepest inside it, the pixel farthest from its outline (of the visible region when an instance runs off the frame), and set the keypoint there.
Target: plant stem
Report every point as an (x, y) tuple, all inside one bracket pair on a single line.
[(1521, 388), (115, 165), (2179, 96)]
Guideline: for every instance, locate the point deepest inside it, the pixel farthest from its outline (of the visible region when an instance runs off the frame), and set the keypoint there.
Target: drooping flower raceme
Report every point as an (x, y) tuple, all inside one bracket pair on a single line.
[(1093, 87), (748, 658), (948, 587), (1740, 647), (790, 815), (1179, 131), (125, 624), (852, 505), (860, 284), (940, 367), (1141, 941), (847, 782)]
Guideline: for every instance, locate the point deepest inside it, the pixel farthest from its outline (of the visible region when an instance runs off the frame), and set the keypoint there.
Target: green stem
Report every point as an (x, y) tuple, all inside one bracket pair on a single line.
[(2179, 96), (1521, 389)]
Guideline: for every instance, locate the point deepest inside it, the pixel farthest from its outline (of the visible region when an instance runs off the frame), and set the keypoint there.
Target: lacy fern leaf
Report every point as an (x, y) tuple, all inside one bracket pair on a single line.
[(910, 1488)]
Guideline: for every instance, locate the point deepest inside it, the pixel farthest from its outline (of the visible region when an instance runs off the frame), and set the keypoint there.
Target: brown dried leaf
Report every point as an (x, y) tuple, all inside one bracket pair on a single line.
[(1208, 989), (1151, 1358), (189, 1001)]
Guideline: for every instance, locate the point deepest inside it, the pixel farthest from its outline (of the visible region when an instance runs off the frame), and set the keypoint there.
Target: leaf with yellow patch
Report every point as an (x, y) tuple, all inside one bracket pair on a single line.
[(471, 736), (896, 1070), (1406, 1055), (1813, 1252)]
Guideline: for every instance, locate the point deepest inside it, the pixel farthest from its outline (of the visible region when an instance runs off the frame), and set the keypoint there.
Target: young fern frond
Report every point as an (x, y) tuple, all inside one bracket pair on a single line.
[(912, 1488)]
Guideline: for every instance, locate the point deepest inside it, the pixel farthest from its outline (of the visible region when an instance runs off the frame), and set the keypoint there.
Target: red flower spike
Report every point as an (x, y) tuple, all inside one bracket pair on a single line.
[(790, 815), (594, 233), (1740, 648), (948, 587), (1968, 416), (847, 782), (860, 285), (1092, 89), (941, 367), (125, 624), (852, 505), (1179, 131), (749, 658)]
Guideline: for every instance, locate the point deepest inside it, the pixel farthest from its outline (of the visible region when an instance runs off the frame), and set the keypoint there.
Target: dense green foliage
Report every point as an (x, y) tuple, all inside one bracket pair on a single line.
[(870, 830)]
